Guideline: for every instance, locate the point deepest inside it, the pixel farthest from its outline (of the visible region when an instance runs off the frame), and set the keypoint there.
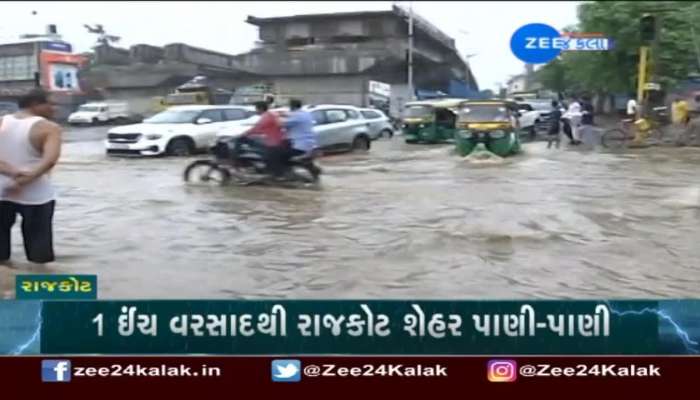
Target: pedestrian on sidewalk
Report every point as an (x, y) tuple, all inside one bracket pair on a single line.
[(30, 145)]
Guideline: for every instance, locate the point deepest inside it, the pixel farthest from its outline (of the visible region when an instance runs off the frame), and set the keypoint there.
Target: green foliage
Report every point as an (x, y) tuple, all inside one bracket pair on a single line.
[(674, 54)]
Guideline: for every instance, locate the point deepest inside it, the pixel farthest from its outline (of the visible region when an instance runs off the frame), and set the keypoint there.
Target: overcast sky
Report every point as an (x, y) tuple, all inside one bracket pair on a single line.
[(481, 28)]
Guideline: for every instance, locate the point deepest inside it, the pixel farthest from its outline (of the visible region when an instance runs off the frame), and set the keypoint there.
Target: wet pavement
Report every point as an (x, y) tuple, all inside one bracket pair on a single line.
[(402, 221)]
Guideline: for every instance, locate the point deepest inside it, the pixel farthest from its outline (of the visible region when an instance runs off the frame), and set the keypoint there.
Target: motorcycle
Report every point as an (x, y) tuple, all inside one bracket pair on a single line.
[(244, 164)]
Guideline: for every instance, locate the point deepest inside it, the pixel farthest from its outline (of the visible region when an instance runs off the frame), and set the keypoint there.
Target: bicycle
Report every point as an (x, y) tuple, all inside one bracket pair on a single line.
[(652, 131)]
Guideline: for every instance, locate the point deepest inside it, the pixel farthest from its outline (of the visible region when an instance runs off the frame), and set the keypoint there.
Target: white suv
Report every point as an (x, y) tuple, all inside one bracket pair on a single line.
[(180, 130)]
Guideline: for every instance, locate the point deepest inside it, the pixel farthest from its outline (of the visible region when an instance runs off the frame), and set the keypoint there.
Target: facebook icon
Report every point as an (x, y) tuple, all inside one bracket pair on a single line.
[(55, 370)]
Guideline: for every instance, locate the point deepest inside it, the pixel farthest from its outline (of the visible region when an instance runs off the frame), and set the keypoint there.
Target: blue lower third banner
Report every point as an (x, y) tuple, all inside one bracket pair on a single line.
[(350, 327)]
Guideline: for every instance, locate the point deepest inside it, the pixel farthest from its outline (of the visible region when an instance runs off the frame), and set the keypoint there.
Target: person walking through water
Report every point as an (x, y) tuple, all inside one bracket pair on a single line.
[(30, 145), (573, 117), (680, 117), (553, 134)]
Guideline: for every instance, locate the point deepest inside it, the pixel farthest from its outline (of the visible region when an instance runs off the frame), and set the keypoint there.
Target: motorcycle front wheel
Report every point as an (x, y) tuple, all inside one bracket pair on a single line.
[(206, 172)]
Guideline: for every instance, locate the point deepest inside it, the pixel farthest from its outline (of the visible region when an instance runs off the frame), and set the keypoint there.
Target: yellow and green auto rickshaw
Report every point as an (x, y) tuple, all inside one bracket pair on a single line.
[(490, 123), (430, 121)]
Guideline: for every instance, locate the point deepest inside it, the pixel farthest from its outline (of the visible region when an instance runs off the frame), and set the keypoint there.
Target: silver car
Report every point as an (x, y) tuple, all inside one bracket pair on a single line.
[(379, 124), (340, 128)]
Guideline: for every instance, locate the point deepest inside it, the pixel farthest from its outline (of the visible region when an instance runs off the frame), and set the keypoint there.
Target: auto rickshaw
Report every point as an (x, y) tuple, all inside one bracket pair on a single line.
[(430, 121), (491, 123)]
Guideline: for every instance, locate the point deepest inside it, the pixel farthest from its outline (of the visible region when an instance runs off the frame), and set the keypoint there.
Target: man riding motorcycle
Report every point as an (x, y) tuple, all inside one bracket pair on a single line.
[(269, 128)]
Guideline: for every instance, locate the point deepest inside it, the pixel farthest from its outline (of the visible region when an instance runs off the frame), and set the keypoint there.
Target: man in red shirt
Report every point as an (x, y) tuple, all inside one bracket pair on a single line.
[(269, 129)]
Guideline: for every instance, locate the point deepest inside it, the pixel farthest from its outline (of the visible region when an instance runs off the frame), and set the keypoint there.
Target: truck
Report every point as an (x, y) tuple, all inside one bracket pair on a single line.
[(379, 96), (196, 91), (247, 95)]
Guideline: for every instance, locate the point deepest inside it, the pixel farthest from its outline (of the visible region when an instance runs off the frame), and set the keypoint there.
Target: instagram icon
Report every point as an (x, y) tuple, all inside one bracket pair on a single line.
[(502, 370)]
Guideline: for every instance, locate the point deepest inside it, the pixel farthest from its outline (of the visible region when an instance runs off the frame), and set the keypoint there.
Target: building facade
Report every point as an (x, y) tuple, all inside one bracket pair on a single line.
[(44, 61), (332, 58), (517, 84), (321, 58)]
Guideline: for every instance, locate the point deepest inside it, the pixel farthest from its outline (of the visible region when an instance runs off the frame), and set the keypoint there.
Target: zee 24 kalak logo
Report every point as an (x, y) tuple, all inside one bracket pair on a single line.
[(540, 43)]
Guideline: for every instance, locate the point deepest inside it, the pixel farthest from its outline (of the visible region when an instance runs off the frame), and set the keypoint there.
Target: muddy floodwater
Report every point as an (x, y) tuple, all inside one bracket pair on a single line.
[(402, 221)]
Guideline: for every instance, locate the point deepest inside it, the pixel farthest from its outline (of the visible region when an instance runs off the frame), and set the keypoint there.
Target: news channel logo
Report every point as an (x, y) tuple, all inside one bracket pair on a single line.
[(286, 370), (55, 371), (539, 43), (502, 370)]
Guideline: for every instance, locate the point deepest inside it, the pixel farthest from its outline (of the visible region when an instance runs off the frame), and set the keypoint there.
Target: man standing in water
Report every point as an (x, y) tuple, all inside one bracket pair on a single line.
[(30, 146)]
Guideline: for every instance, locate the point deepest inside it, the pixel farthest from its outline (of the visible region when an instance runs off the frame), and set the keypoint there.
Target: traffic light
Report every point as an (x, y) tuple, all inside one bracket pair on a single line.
[(648, 28)]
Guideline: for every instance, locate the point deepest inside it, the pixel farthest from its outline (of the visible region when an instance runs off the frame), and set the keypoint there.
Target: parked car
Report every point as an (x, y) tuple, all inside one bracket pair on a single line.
[(99, 113), (7, 107), (179, 130), (380, 125), (339, 128)]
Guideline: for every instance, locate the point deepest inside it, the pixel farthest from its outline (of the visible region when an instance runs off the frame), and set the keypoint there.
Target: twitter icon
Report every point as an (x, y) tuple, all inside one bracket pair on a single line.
[(286, 370)]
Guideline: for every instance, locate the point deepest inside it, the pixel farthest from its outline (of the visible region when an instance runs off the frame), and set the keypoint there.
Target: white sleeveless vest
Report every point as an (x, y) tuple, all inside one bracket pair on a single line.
[(17, 150)]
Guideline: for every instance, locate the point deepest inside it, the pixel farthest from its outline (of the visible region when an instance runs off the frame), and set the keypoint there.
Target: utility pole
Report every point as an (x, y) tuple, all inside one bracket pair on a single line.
[(641, 78), (411, 91), (648, 39)]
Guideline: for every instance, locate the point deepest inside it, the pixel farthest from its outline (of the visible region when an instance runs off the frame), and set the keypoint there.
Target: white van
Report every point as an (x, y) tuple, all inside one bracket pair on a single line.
[(98, 113)]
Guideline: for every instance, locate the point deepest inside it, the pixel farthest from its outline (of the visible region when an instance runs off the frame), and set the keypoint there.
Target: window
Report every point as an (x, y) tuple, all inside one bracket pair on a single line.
[(371, 114), (319, 117), (214, 115), (418, 111), (17, 68), (234, 114), (524, 107), (541, 106), (333, 116), (483, 112), (352, 114), (172, 117)]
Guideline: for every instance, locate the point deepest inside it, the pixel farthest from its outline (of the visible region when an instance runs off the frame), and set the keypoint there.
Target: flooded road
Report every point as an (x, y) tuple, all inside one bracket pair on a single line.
[(403, 221)]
